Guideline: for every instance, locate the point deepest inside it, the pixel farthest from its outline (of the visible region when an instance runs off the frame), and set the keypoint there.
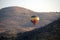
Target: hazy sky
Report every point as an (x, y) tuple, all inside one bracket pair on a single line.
[(35, 5)]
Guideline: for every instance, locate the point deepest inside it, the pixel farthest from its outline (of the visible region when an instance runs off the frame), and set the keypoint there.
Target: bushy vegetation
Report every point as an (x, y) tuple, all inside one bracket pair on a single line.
[(7, 36)]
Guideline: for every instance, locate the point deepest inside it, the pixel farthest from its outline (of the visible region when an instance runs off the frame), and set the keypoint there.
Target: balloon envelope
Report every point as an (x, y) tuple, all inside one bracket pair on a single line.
[(35, 19)]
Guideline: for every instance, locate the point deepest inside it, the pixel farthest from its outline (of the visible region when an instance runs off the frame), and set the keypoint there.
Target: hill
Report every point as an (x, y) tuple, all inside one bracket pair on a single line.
[(17, 18), (48, 32)]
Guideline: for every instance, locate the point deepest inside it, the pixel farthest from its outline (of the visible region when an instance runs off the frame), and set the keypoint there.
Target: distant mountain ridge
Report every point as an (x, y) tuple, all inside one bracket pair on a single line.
[(17, 18), (16, 9)]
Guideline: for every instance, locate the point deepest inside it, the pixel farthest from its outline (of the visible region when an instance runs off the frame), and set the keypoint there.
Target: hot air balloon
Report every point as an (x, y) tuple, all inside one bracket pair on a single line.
[(35, 19)]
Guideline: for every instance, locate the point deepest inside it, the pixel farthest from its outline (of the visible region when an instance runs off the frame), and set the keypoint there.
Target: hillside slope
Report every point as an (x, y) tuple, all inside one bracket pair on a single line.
[(48, 32)]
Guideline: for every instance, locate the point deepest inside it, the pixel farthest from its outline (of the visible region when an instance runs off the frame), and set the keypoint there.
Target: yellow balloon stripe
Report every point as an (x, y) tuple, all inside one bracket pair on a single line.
[(36, 18)]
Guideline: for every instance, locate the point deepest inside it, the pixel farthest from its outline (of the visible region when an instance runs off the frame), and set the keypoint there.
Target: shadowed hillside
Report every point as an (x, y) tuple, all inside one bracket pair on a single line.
[(48, 32), (18, 18)]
